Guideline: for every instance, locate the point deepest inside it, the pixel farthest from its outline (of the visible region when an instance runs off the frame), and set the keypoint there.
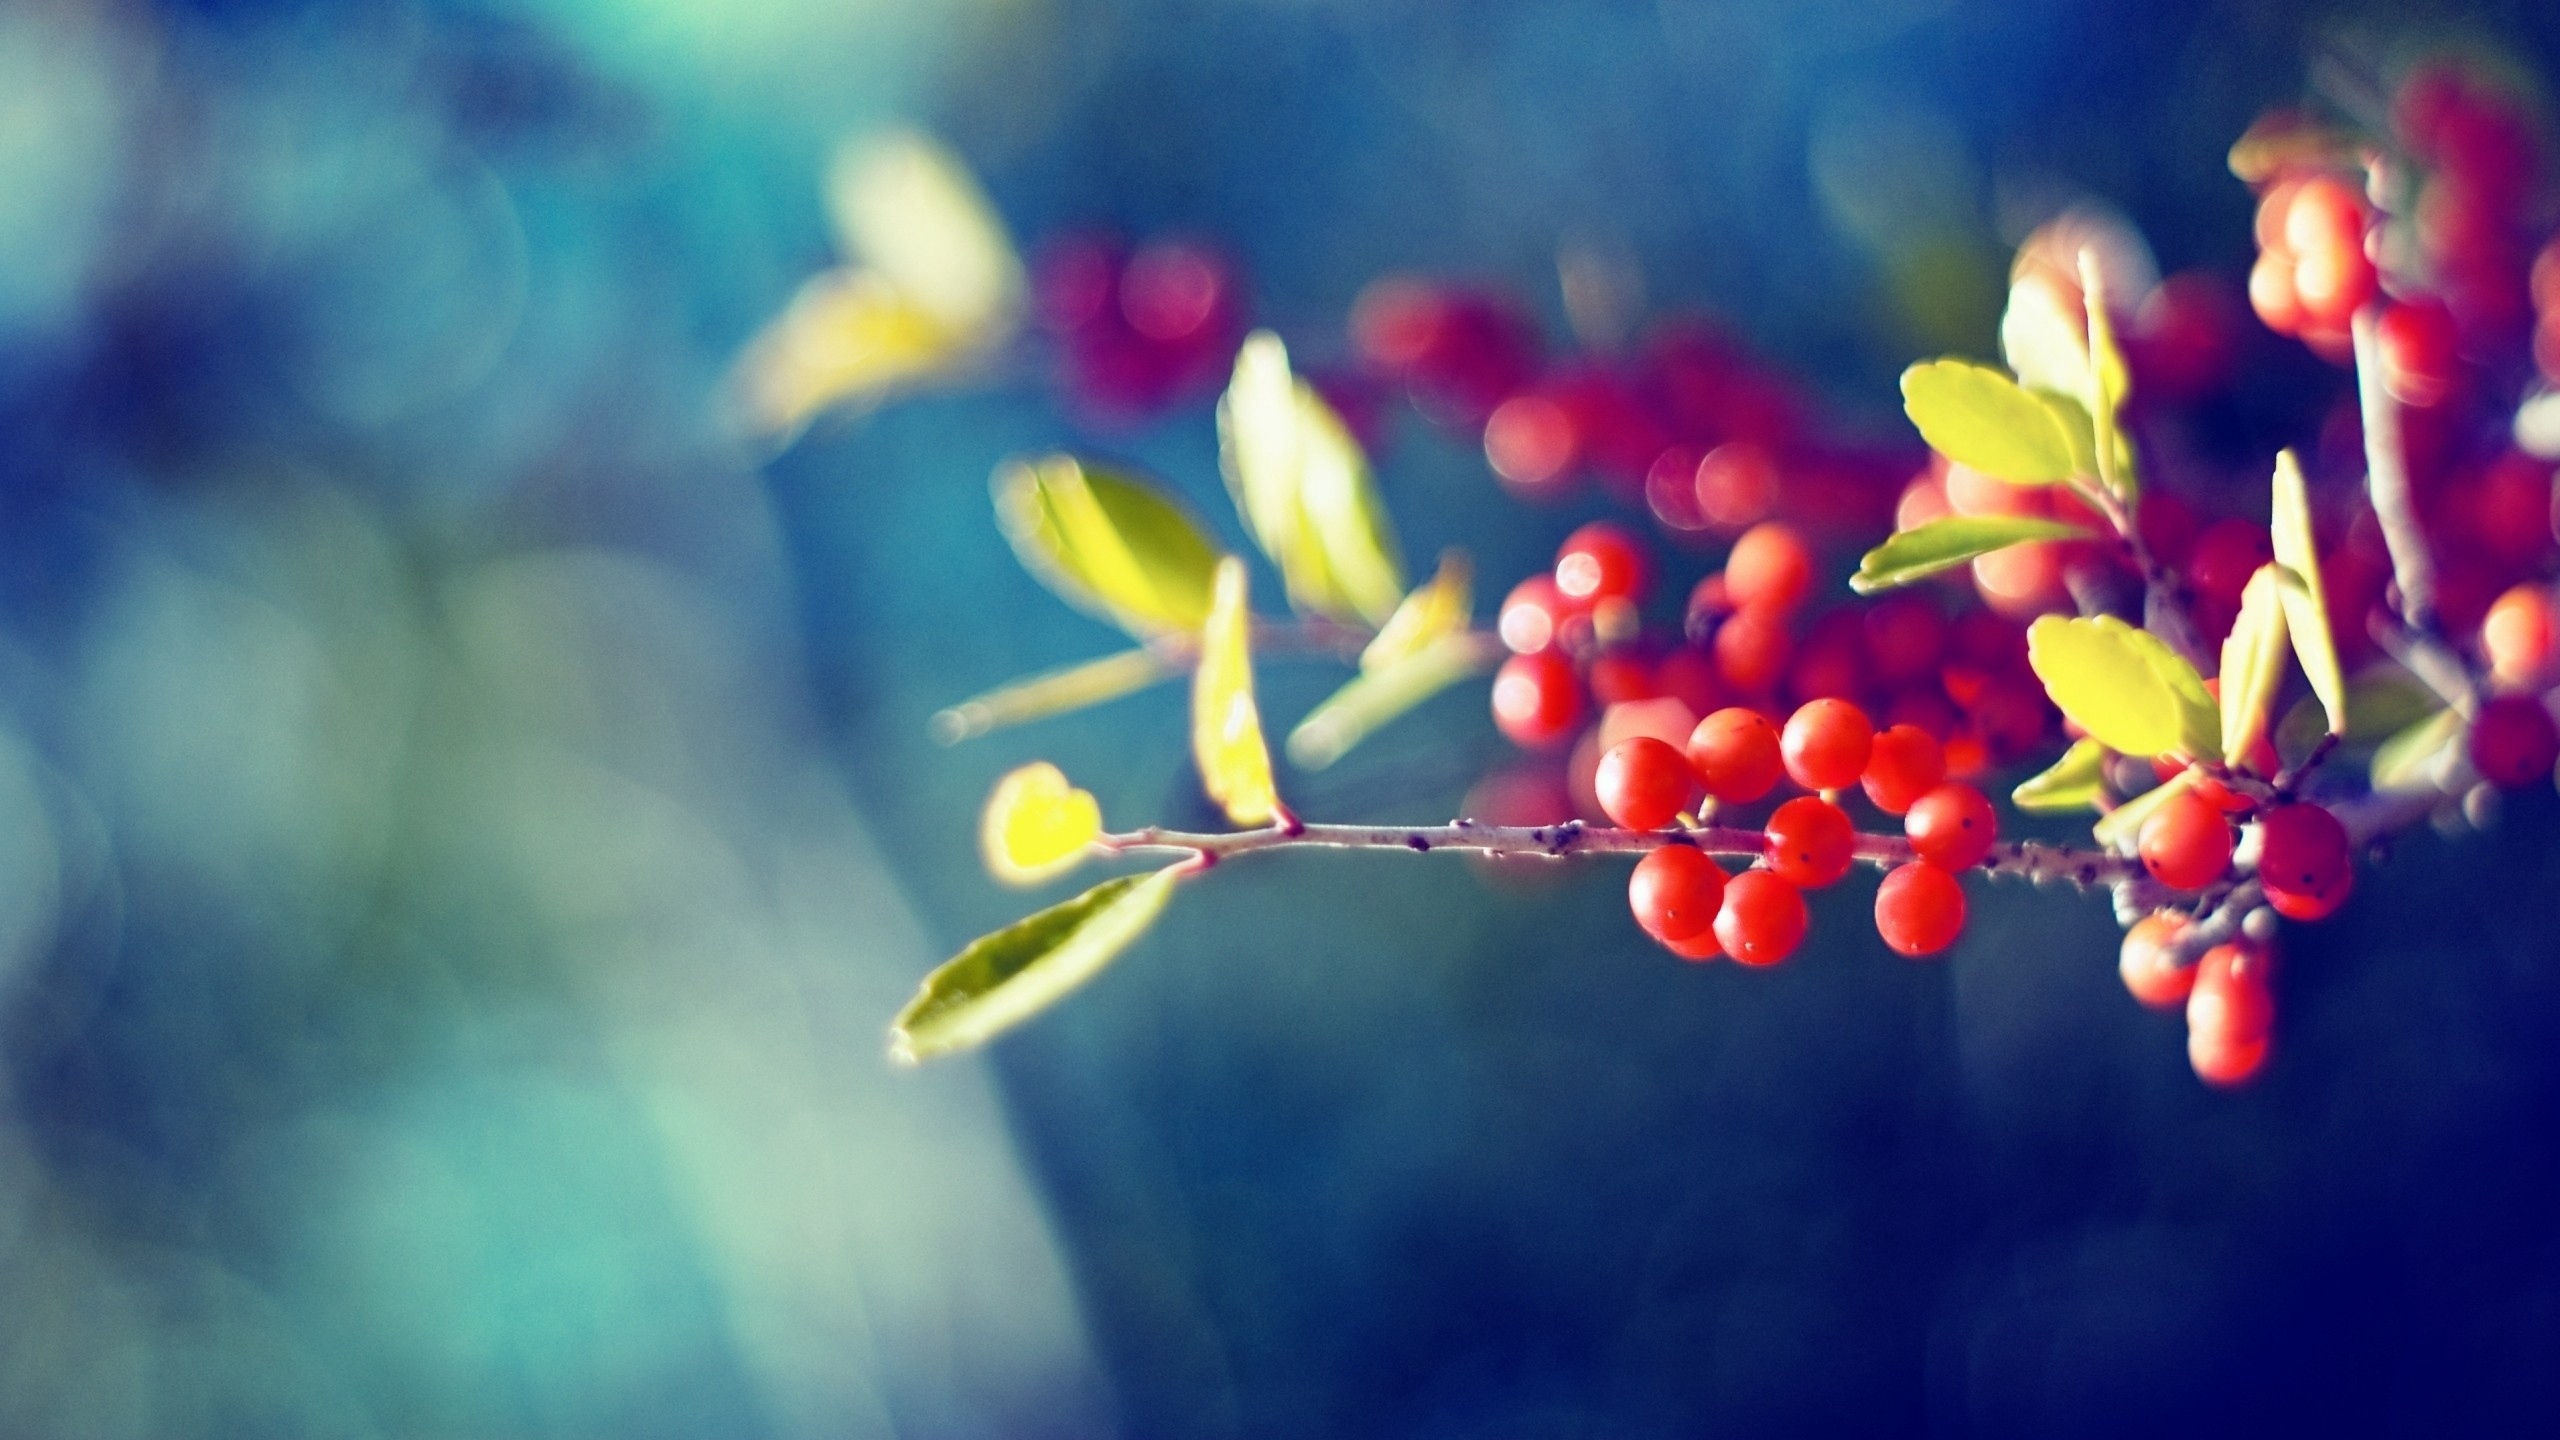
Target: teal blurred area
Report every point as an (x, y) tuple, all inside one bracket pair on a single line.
[(466, 816)]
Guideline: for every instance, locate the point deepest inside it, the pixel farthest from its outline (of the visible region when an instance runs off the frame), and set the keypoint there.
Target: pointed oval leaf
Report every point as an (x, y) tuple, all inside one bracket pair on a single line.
[(1053, 692), (1438, 607), (1006, 978), (2123, 686), (2110, 380), (2407, 761), (1926, 550), (2119, 828), (2078, 431), (1976, 416), (2253, 661), (1036, 825), (1109, 544), (1304, 489), (909, 209), (2077, 781), (2384, 699), (1226, 726), (1375, 696), (2306, 604), (847, 338), (2042, 339)]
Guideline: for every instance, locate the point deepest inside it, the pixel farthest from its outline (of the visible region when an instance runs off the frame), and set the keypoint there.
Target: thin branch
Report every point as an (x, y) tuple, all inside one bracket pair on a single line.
[(2386, 472), (2033, 860)]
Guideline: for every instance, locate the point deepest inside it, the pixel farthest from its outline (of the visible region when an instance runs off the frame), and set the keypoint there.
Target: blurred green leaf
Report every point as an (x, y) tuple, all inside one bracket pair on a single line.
[(1109, 544), (1226, 725), (1437, 608), (1006, 978), (2124, 687), (1941, 545), (2404, 761), (1035, 825), (2383, 699), (1052, 692), (2042, 339), (2118, 828), (2077, 781), (2252, 661), (2110, 379), (1376, 696), (1304, 489), (1980, 418), (2306, 603)]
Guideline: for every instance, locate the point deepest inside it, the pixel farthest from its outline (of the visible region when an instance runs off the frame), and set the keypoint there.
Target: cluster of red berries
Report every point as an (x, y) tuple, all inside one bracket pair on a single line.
[(2314, 271), (2228, 994), (1140, 329), (1737, 756), (2479, 150)]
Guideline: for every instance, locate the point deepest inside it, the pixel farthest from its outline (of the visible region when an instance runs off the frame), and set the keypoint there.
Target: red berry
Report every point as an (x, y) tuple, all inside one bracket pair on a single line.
[(2224, 1060), (1919, 909), (1531, 614), (1904, 764), (1735, 752), (1827, 743), (1763, 919), (1644, 784), (1770, 565), (2149, 963), (2513, 743), (2417, 346), (1951, 826), (2230, 1011), (1601, 562), (2186, 843), (1736, 483), (2271, 292), (1675, 893), (2303, 861), (1537, 700), (1810, 842), (2225, 556), (1752, 646), (1699, 947), (2517, 637)]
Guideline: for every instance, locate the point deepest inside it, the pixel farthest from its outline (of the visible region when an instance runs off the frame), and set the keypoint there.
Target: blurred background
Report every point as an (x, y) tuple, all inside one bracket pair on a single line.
[(466, 815)]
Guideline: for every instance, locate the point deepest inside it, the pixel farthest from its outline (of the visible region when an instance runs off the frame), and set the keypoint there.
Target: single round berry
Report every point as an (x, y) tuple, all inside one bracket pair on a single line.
[(1752, 646), (2226, 554), (1826, 744), (2518, 637), (1770, 565), (2232, 999), (1531, 615), (1735, 752), (1600, 562), (1919, 909), (2150, 963), (1763, 919), (2513, 742), (1811, 842), (2304, 861), (1536, 699), (1697, 948), (2186, 843), (1951, 826), (1675, 893), (1905, 763), (1532, 445), (1644, 784), (2222, 1060)]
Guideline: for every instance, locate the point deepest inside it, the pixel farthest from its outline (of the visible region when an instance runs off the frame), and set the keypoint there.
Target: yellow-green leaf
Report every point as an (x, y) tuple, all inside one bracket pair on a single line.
[(2077, 781), (1926, 550), (2123, 686), (1109, 544), (2110, 379), (1006, 978), (2252, 661), (1438, 607), (1036, 825), (1226, 726), (909, 209), (847, 338), (1376, 696), (2407, 761), (2306, 604), (1052, 692), (2042, 339), (2077, 430), (1976, 416), (1304, 489), (2119, 828), (2383, 698)]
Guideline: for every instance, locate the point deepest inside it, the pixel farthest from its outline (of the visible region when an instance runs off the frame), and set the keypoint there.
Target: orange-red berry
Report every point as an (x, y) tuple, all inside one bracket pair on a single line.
[(2186, 843), (1826, 744), (1763, 919), (2149, 963), (1919, 909), (1735, 752), (1644, 784), (2303, 861), (1770, 565), (1537, 700), (1601, 561), (1952, 826), (1675, 893), (2513, 742), (1811, 842), (1905, 763)]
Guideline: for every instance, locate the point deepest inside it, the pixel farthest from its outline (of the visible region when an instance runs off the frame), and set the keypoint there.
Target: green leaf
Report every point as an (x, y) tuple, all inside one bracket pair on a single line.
[(2253, 661), (2405, 762), (1109, 544), (1945, 544), (1374, 697), (1006, 978), (2077, 781), (2306, 603), (2123, 686), (1978, 417), (1226, 725), (2042, 340), (2109, 381), (2119, 828), (2383, 698), (1035, 826), (1304, 489), (1052, 692), (1438, 607), (2077, 430)]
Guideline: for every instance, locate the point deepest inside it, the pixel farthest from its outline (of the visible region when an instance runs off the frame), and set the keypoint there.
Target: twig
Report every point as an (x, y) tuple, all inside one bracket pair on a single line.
[(2386, 473)]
